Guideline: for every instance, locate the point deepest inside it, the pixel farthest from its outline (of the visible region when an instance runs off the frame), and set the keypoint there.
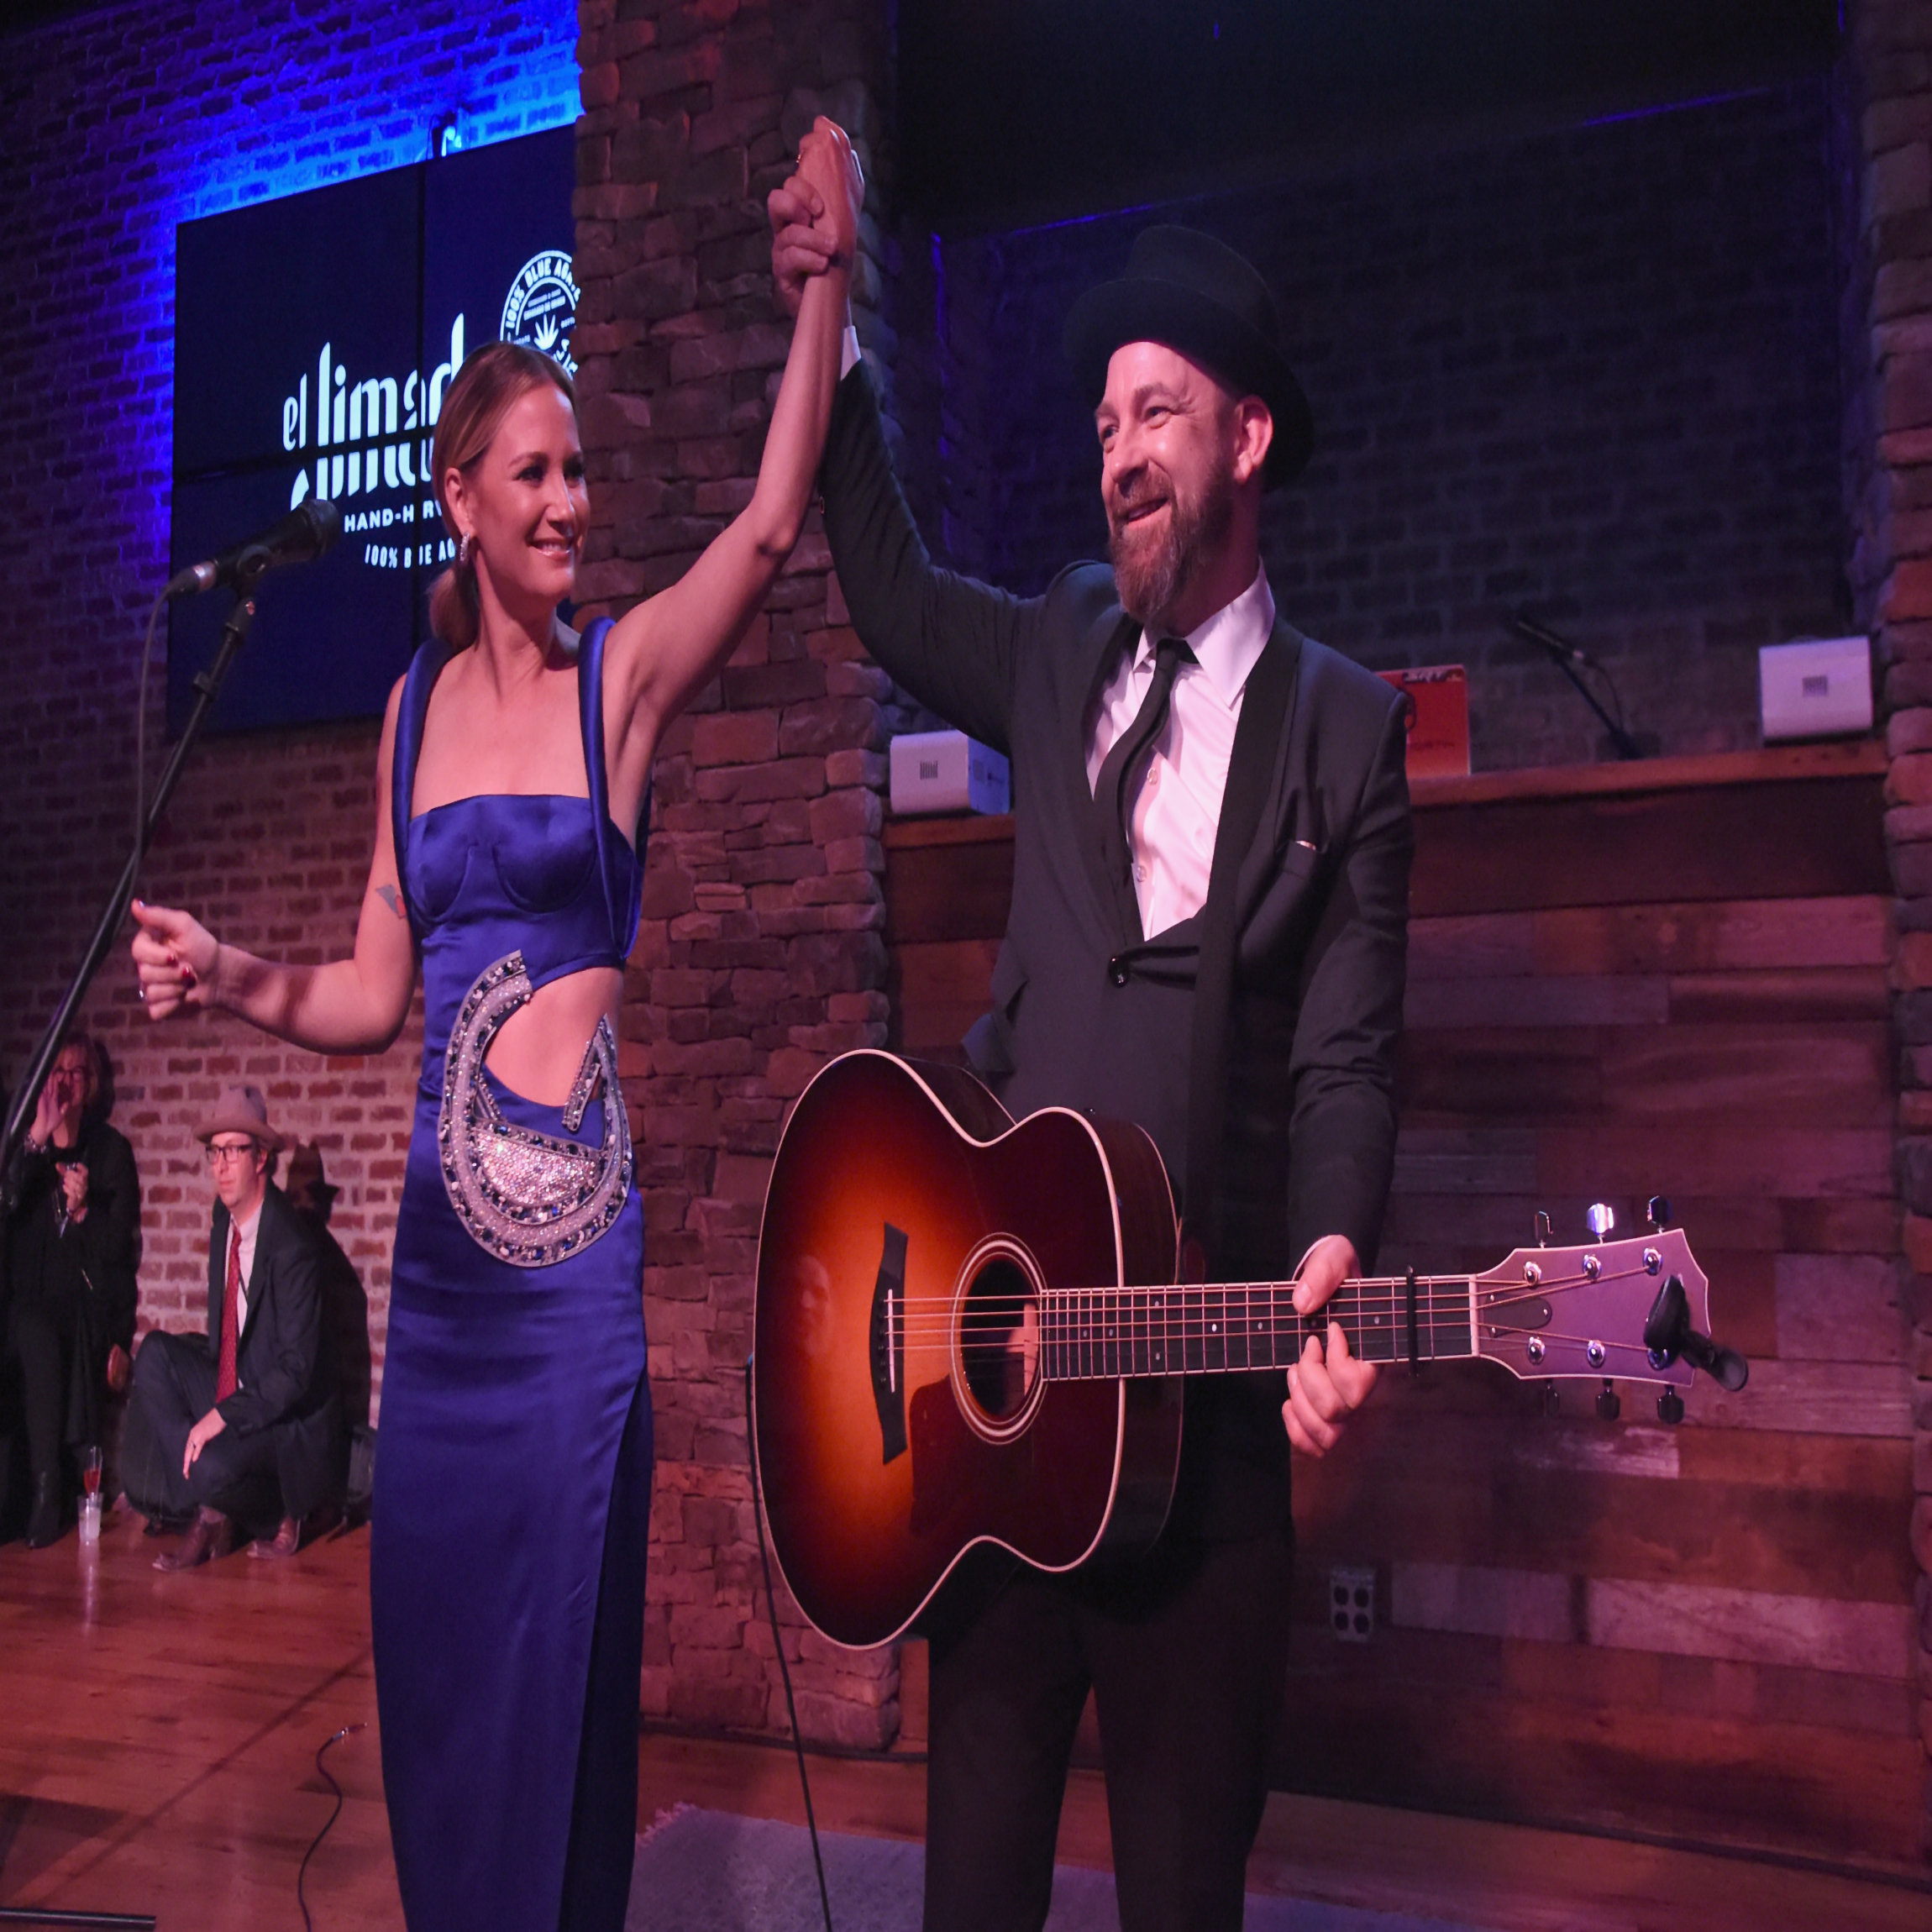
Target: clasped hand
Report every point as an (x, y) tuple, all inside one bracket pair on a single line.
[(814, 216)]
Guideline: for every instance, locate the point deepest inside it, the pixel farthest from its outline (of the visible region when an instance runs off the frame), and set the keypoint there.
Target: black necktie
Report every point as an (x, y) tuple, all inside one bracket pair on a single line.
[(1112, 794)]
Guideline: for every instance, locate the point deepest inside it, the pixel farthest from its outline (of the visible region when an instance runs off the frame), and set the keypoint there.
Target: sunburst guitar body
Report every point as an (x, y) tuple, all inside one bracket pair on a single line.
[(968, 1333)]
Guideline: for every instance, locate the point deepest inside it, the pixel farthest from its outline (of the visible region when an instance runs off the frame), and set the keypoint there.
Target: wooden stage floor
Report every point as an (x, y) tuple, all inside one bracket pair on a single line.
[(157, 1753)]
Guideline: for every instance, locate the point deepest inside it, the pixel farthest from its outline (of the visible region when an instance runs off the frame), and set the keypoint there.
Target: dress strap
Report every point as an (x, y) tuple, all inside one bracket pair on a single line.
[(590, 711), (424, 669)]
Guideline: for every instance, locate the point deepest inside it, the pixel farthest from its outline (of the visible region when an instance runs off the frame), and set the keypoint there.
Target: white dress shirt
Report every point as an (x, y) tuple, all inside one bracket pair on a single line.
[(1171, 823)]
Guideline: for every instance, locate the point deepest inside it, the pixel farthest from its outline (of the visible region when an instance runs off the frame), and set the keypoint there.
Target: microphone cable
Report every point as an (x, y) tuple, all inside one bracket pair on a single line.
[(315, 1843), (778, 1644)]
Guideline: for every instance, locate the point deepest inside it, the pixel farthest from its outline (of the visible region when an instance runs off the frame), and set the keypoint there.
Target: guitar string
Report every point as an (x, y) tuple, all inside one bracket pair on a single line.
[(1158, 1329), (925, 1315), (1437, 1294)]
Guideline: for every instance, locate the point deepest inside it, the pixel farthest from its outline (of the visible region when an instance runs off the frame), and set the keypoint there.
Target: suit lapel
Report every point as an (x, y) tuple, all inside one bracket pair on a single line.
[(1095, 660), (218, 1275), (1254, 765)]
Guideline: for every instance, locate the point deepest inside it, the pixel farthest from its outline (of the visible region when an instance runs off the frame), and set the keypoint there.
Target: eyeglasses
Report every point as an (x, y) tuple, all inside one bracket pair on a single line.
[(220, 1151)]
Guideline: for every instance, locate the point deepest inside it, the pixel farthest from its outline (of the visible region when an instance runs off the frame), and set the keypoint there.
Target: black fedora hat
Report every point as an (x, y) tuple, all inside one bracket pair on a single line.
[(1196, 295)]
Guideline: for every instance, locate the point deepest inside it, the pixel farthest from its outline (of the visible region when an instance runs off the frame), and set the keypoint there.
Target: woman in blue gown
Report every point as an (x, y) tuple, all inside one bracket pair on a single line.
[(507, 1562)]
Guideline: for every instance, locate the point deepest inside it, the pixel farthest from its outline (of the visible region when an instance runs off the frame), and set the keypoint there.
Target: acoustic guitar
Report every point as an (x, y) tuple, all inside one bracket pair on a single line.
[(968, 1332)]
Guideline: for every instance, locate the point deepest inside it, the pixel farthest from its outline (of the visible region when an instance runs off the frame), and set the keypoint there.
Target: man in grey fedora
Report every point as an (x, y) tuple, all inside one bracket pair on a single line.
[(242, 1428), (1207, 935)]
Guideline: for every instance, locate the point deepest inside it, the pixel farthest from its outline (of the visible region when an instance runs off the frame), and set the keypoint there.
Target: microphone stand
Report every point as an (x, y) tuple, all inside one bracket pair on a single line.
[(1566, 658), (208, 689)]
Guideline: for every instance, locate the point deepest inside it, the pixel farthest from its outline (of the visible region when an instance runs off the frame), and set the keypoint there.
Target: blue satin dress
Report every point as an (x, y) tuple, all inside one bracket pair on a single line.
[(513, 1481)]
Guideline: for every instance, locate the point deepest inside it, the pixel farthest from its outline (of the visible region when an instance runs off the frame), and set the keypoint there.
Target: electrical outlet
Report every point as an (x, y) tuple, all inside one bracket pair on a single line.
[(1351, 1604)]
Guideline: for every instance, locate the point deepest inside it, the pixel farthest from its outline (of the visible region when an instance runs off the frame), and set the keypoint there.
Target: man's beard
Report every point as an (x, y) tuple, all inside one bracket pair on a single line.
[(1152, 577)]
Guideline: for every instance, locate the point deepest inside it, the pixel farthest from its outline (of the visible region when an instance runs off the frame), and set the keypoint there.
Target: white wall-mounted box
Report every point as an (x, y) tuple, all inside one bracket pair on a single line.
[(1821, 689), (947, 771)]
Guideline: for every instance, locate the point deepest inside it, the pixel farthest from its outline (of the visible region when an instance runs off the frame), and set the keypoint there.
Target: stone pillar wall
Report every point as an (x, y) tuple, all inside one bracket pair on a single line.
[(761, 952), (1889, 445)]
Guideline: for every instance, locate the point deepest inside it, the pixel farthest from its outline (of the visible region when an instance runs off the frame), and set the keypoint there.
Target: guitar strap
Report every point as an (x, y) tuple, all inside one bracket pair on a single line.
[(1266, 706)]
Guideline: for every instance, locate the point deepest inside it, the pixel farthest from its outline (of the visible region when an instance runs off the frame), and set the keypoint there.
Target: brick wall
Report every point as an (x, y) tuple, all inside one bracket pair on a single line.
[(1593, 373), (117, 122), (1598, 372), (1889, 311), (761, 952)]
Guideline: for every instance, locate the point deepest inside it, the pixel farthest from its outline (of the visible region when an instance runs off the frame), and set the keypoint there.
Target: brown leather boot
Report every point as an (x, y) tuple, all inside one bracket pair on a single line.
[(210, 1535), (296, 1532)]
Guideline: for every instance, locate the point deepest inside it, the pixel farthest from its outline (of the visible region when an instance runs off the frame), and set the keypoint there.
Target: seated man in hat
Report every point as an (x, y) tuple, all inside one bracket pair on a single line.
[(1207, 935), (243, 1428)]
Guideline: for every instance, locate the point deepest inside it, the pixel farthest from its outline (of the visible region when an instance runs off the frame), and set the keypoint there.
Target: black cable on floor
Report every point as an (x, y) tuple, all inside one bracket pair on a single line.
[(778, 1644), (316, 1844)]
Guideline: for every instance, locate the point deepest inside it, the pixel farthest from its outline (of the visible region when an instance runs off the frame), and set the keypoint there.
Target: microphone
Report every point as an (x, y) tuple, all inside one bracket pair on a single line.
[(1568, 659), (300, 538), (1557, 647)]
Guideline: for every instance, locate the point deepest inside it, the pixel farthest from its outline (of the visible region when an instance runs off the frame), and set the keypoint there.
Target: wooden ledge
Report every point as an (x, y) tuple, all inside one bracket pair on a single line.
[(1858, 758), (966, 828)]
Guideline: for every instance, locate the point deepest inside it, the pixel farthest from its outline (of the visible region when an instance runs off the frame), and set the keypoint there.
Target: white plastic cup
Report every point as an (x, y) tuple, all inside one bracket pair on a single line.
[(91, 1519)]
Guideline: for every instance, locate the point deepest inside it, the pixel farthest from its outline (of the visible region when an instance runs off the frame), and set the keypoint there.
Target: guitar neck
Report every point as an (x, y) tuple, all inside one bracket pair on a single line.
[(1232, 1328)]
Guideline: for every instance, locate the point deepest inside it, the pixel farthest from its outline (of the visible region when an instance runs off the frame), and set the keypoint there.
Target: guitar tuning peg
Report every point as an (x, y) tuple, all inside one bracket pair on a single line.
[(1601, 1220), (1542, 1229), (1552, 1399), (1657, 1213), (1609, 1409), (1671, 1407)]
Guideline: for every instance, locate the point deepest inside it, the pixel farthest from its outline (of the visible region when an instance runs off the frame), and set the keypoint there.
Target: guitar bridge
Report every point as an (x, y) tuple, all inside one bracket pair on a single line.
[(887, 1345)]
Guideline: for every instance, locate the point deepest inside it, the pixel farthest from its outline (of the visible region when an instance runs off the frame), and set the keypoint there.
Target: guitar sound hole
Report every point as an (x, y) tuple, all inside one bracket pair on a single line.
[(999, 1338)]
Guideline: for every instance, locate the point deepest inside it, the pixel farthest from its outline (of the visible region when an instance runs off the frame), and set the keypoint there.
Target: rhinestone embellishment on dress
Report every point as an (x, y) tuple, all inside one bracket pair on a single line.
[(529, 1198)]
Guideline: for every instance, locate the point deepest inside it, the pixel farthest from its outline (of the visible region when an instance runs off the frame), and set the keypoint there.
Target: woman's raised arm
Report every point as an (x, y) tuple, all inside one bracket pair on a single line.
[(667, 649), (352, 1005)]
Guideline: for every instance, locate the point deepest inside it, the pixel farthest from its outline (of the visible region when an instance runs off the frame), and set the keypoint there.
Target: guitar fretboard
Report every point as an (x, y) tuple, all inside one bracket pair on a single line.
[(1227, 1328)]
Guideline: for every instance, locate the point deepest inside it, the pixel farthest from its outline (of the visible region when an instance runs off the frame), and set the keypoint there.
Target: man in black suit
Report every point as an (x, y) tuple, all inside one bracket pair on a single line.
[(1207, 935), (243, 1426)]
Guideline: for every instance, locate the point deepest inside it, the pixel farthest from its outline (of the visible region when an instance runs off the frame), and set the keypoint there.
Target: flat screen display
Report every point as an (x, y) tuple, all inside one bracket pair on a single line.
[(314, 339)]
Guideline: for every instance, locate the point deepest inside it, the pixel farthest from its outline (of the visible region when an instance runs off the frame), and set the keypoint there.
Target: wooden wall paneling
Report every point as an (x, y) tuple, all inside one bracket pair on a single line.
[(1747, 841), (938, 988), (1460, 1491), (1764, 1223), (1619, 983), (1840, 1308), (1787, 995), (1732, 935), (947, 879), (1631, 1680), (1825, 1789), (1672, 1159), (1809, 1074)]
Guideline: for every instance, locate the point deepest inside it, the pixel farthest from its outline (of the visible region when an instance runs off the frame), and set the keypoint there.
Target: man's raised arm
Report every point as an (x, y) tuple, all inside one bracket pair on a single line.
[(953, 643)]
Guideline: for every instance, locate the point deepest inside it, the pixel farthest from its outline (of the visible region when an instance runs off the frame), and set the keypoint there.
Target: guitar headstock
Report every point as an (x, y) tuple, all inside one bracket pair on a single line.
[(1551, 1312)]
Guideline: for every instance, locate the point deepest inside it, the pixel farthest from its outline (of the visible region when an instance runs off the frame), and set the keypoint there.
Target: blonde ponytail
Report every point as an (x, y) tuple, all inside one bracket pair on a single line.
[(453, 612)]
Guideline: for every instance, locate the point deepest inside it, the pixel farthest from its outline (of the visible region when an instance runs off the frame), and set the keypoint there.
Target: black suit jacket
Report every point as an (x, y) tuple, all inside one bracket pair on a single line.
[(1255, 1042), (279, 1357)]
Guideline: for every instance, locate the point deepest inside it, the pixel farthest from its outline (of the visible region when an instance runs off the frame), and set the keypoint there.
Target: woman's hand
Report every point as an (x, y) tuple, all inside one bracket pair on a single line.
[(46, 1114), (175, 960), (74, 1183), (815, 215), (829, 166)]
